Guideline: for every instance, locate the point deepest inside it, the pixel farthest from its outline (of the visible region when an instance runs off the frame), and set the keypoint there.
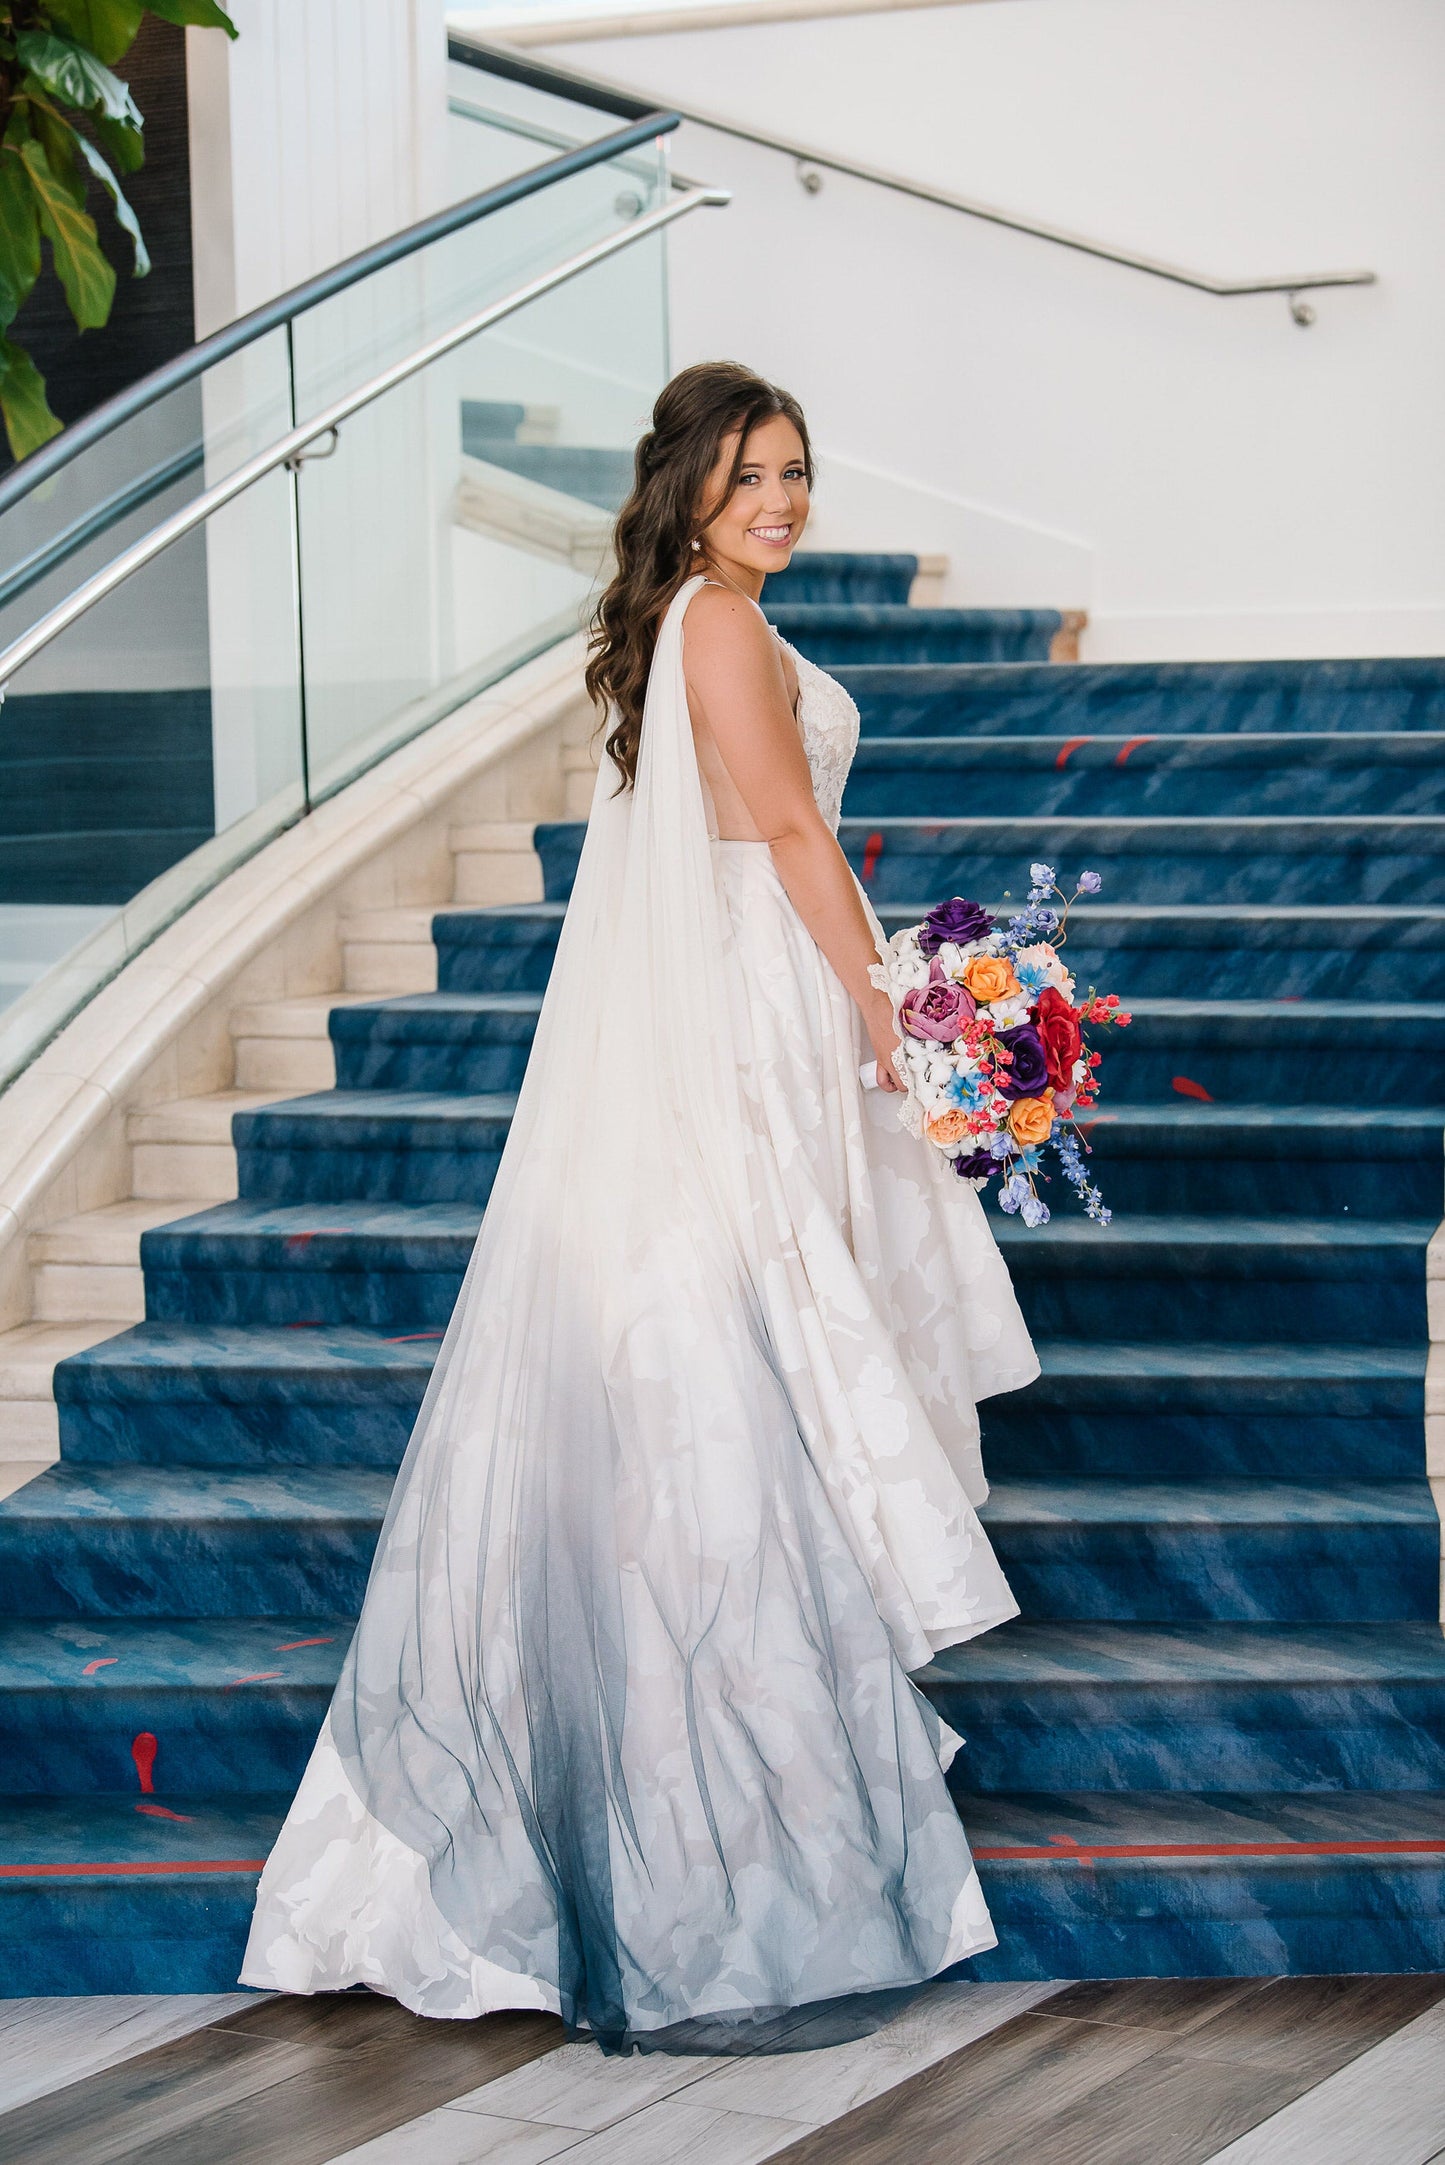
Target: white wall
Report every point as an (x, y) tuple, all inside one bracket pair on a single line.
[(1202, 475)]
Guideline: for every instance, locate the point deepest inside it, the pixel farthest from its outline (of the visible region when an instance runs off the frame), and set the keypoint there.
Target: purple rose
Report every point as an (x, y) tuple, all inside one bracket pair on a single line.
[(937, 1010), (982, 1165), (1030, 1071), (955, 920)]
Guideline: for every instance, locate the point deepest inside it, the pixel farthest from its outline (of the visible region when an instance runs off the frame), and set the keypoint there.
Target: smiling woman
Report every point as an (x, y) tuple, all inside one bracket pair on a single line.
[(628, 1729)]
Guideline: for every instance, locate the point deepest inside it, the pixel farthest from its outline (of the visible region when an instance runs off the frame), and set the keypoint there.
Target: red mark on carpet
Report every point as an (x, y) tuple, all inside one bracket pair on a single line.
[(311, 1323), (872, 851), (1067, 750), (413, 1338), (105, 1661), (262, 1676), (1188, 1088), (158, 1811), (143, 1751), (1121, 757), (292, 1644)]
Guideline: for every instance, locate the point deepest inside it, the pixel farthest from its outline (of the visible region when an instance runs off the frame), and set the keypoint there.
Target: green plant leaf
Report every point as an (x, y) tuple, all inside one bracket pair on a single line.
[(89, 281), (19, 236), (75, 76), (106, 28), (125, 217), (126, 145), (203, 13), (29, 423), (60, 141)]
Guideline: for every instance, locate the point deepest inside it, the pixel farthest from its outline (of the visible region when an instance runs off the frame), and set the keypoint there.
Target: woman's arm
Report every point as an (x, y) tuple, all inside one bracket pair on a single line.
[(737, 691)]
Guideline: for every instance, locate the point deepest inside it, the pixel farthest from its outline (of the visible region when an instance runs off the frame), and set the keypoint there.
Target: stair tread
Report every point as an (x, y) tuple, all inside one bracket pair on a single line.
[(444, 1107), (1201, 748), (1063, 1499), (1028, 1653), (1157, 1231), (149, 1653), (75, 1837), (1232, 1821), (75, 1493), (200, 1360)]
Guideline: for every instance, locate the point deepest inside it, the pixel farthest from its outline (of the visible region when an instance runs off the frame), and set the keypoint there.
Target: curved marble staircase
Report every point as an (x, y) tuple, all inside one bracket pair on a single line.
[(1215, 1742)]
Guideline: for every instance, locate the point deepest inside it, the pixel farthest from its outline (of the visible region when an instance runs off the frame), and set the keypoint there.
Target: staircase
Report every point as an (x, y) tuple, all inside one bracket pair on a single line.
[(1215, 1741)]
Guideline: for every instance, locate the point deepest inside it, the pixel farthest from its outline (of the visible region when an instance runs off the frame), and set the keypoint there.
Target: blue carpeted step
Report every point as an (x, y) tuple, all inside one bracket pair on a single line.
[(473, 1042), (593, 473), (1334, 1281), (130, 1541), (1266, 860), (507, 947), (384, 1145), (1202, 1410), (1249, 951), (839, 637), (1060, 1706), (233, 1703), (1363, 859), (1126, 777), (836, 575), (191, 1394), (388, 1267), (1254, 1050), (1201, 950), (1129, 699), (101, 1894), (1283, 1160), (96, 1897), (1262, 1551), (1151, 1884)]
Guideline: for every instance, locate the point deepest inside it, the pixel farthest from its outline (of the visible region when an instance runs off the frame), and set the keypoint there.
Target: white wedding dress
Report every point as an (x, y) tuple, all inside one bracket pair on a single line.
[(626, 1730)]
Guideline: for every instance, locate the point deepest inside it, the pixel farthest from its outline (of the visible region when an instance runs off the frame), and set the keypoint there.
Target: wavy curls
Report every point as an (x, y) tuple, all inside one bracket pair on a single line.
[(694, 416)]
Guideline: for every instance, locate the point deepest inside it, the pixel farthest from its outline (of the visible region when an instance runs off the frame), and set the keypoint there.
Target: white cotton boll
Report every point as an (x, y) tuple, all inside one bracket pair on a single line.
[(1081, 1069)]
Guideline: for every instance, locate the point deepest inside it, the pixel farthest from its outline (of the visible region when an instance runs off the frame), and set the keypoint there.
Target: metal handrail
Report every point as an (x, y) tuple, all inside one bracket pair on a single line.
[(812, 163), (272, 315), (290, 449)]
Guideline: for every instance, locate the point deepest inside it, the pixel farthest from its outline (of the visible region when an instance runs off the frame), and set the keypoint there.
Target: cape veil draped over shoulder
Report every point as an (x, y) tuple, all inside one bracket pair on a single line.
[(626, 1730)]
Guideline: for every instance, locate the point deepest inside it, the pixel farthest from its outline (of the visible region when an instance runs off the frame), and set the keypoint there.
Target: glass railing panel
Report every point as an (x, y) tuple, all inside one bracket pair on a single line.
[(463, 520), (348, 339), (315, 622), (151, 747), (124, 485)]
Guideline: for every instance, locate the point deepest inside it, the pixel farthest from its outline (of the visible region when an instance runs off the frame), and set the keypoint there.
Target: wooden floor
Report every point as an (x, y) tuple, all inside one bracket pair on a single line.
[(1283, 2071)]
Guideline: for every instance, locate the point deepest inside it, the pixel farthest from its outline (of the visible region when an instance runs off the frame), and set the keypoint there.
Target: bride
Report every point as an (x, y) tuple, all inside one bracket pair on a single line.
[(626, 1731)]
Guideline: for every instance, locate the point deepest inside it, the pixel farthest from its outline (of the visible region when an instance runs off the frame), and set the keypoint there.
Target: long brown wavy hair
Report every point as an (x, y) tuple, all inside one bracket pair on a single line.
[(694, 416)]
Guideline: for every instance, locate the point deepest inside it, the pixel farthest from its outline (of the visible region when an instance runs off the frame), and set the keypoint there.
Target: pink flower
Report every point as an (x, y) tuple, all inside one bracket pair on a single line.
[(937, 1010)]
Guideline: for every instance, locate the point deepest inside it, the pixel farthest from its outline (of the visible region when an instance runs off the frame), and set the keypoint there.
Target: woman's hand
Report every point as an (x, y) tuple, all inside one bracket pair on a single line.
[(883, 1037)]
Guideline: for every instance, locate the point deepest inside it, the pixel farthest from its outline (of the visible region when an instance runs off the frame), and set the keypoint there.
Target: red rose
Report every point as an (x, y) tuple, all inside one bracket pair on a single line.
[(1058, 1025)]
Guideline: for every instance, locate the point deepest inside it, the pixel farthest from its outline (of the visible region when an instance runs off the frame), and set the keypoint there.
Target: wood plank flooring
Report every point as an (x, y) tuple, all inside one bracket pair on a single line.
[(1254, 2071)]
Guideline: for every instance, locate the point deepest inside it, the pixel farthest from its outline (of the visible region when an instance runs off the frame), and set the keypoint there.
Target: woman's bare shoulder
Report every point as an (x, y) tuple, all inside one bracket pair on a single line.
[(723, 626)]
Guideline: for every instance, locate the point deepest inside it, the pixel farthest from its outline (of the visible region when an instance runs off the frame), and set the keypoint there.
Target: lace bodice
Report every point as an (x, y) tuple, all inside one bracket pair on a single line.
[(829, 724)]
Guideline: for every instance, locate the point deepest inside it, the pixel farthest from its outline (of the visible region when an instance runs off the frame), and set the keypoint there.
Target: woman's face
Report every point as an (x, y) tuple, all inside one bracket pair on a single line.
[(762, 522)]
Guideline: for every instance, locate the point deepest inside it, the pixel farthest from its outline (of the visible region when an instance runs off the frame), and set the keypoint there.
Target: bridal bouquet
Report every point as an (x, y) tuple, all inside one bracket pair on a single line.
[(994, 1055)]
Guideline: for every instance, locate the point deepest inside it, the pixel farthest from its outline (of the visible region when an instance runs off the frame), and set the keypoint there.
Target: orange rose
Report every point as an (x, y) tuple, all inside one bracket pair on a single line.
[(990, 977), (1032, 1118), (949, 1127)]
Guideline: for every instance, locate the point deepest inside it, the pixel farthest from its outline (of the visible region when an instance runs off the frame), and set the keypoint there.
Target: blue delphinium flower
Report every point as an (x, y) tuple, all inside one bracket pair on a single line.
[(1089, 883), (1011, 1194), (1034, 1211)]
